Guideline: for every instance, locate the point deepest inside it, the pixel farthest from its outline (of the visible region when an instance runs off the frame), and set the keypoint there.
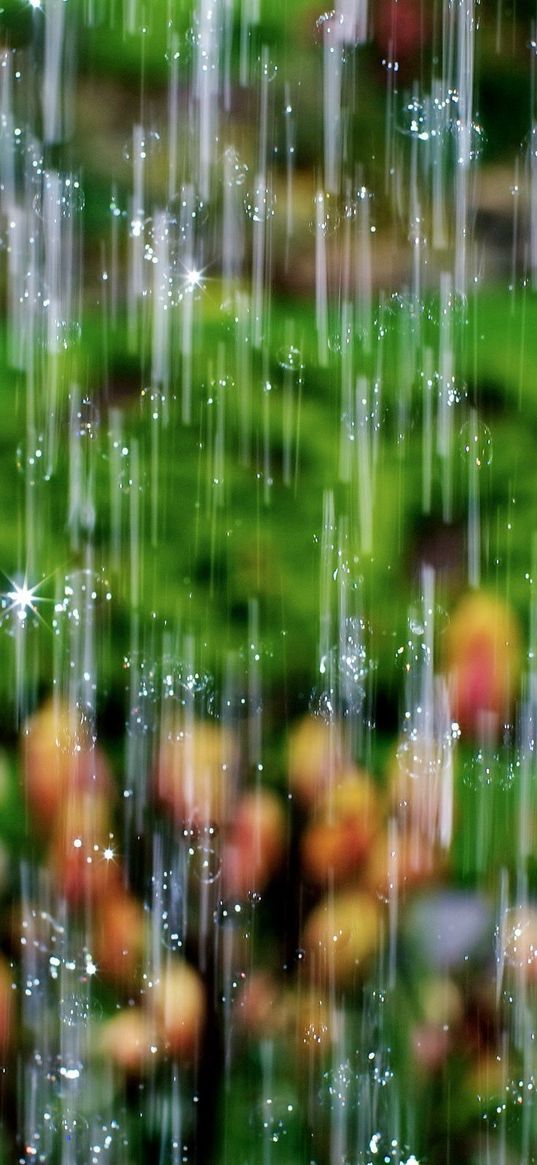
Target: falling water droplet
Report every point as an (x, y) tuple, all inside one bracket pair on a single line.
[(476, 443)]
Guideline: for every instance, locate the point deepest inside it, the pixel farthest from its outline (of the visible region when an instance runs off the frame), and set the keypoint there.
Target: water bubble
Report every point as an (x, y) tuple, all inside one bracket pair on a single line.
[(456, 393), (471, 141), (452, 307), (339, 1082), (141, 719), (417, 121), (330, 26), (172, 932), (220, 388), (235, 170), (205, 860), (188, 212), (411, 654), (146, 146), (139, 225), (67, 334), (290, 358), (183, 687), (38, 1143), (61, 196), (385, 1149), (32, 462), (476, 443), (517, 937), (73, 1134), (352, 665), (316, 1034), (275, 1112), (327, 215), (236, 312), (168, 890), (75, 1011), (324, 703), (269, 70), (77, 730), (230, 913), (115, 209), (69, 1068), (73, 199), (259, 203), (481, 770), (42, 932), (353, 204), (419, 758), (87, 418), (156, 401), (84, 589), (510, 771)]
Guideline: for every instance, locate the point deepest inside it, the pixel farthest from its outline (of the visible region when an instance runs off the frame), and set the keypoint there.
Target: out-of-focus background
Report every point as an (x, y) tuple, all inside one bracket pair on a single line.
[(267, 615)]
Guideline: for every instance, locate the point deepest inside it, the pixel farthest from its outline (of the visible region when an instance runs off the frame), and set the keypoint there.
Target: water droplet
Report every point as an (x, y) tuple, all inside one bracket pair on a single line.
[(145, 146), (74, 1010), (74, 1133), (235, 170), (290, 358), (31, 461), (183, 687), (481, 770), (420, 759), (451, 307), (323, 704), (259, 203), (188, 212), (142, 715), (156, 401), (77, 730), (327, 215), (87, 418), (70, 1069), (470, 141), (275, 1114), (61, 196), (476, 443), (417, 122), (205, 862), (339, 1082), (84, 589), (268, 69), (456, 393), (230, 913), (220, 388), (330, 25), (517, 937)]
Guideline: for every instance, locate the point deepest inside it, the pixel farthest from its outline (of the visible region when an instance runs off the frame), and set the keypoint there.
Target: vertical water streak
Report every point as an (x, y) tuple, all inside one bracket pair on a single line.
[(53, 97), (444, 429), (333, 57), (466, 24), (365, 468), (321, 280), (136, 236), (261, 211), (206, 87)]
